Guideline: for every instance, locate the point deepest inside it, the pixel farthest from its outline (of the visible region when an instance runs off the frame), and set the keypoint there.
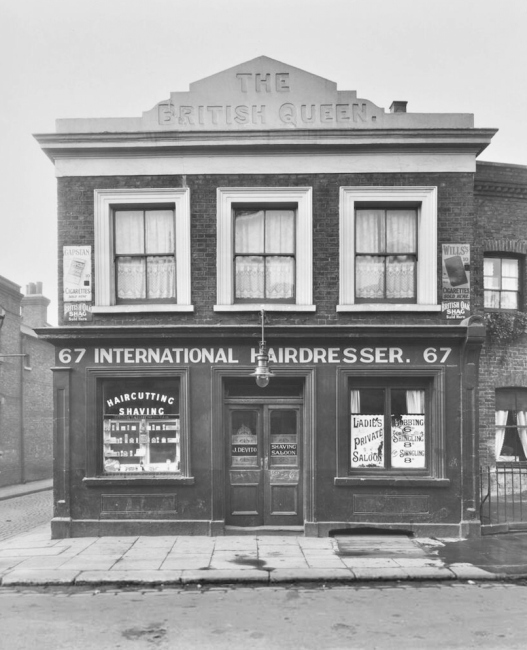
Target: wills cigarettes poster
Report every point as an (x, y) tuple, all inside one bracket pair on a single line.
[(456, 272)]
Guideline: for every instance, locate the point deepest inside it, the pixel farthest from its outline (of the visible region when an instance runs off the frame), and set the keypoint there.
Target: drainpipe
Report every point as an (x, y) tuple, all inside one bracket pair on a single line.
[(470, 352)]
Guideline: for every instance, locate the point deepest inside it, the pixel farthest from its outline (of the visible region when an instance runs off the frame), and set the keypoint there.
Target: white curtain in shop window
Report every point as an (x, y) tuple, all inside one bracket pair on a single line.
[(355, 401), (522, 429), (415, 401), (161, 277), (501, 421)]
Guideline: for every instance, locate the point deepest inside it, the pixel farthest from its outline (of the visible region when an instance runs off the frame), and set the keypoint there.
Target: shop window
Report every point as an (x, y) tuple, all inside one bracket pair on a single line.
[(391, 426), (388, 428), (137, 426), (264, 249), (388, 249), (142, 250), (511, 424), (501, 279)]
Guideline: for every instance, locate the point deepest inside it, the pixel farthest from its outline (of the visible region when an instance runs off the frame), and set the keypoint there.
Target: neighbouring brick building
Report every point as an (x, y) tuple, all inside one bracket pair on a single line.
[(271, 312), (501, 233), (26, 386)]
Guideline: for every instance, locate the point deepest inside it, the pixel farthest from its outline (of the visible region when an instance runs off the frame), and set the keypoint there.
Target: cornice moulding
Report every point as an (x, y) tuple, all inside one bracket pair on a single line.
[(165, 143), (509, 190)]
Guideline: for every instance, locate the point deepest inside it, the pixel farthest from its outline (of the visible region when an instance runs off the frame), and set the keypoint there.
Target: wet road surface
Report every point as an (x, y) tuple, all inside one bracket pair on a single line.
[(373, 617)]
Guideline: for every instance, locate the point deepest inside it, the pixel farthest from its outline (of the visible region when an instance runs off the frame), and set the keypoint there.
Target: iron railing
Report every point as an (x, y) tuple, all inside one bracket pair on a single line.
[(503, 500)]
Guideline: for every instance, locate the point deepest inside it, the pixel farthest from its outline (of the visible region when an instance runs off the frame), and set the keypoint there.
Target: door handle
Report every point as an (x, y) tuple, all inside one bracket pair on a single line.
[(265, 463)]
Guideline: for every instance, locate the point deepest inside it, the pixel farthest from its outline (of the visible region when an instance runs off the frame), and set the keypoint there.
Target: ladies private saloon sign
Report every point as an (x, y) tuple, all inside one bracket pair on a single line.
[(407, 438)]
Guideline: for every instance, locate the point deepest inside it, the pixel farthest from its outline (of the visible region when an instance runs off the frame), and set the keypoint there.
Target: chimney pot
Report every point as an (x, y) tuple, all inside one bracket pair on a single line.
[(398, 107)]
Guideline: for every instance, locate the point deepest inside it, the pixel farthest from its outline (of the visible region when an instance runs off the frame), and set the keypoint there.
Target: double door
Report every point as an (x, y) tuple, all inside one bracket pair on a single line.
[(263, 463)]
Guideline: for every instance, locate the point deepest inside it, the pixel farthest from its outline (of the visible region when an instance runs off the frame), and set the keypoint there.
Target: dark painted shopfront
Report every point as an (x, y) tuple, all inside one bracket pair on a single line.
[(265, 204), (177, 438)]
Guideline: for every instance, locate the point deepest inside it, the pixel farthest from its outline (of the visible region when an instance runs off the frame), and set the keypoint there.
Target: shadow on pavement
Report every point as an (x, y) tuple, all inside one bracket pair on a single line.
[(496, 553)]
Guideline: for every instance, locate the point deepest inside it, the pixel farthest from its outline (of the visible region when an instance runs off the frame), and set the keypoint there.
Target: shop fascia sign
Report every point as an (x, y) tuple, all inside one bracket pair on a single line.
[(105, 356)]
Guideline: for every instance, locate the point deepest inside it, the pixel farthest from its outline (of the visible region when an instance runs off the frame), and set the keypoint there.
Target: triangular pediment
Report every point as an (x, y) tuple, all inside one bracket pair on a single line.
[(263, 75), (262, 94)]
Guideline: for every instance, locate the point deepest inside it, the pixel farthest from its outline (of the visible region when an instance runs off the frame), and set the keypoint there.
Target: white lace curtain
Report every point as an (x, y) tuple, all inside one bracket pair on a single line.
[(150, 235), (264, 248), (394, 234)]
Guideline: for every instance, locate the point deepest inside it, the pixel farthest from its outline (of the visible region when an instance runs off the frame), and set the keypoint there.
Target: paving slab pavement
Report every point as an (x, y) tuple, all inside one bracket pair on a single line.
[(20, 489), (35, 559)]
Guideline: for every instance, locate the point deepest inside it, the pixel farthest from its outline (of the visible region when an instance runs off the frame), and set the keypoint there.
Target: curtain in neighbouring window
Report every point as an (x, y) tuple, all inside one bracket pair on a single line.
[(522, 429), (501, 421), (161, 277), (415, 401)]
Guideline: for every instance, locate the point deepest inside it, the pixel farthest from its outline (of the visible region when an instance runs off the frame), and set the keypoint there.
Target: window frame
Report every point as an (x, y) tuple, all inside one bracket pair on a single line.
[(95, 475), (105, 201), (432, 380), (228, 198), (143, 255), (425, 199), (264, 254), (501, 256), (385, 254)]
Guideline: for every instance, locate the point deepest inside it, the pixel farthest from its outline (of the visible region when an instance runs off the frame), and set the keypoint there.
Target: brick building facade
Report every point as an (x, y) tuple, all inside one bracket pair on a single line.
[(501, 206), (26, 386), (266, 204)]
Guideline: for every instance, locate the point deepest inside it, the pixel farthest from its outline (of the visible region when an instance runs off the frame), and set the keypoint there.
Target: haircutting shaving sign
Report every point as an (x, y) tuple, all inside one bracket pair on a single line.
[(77, 273), (456, 281)]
